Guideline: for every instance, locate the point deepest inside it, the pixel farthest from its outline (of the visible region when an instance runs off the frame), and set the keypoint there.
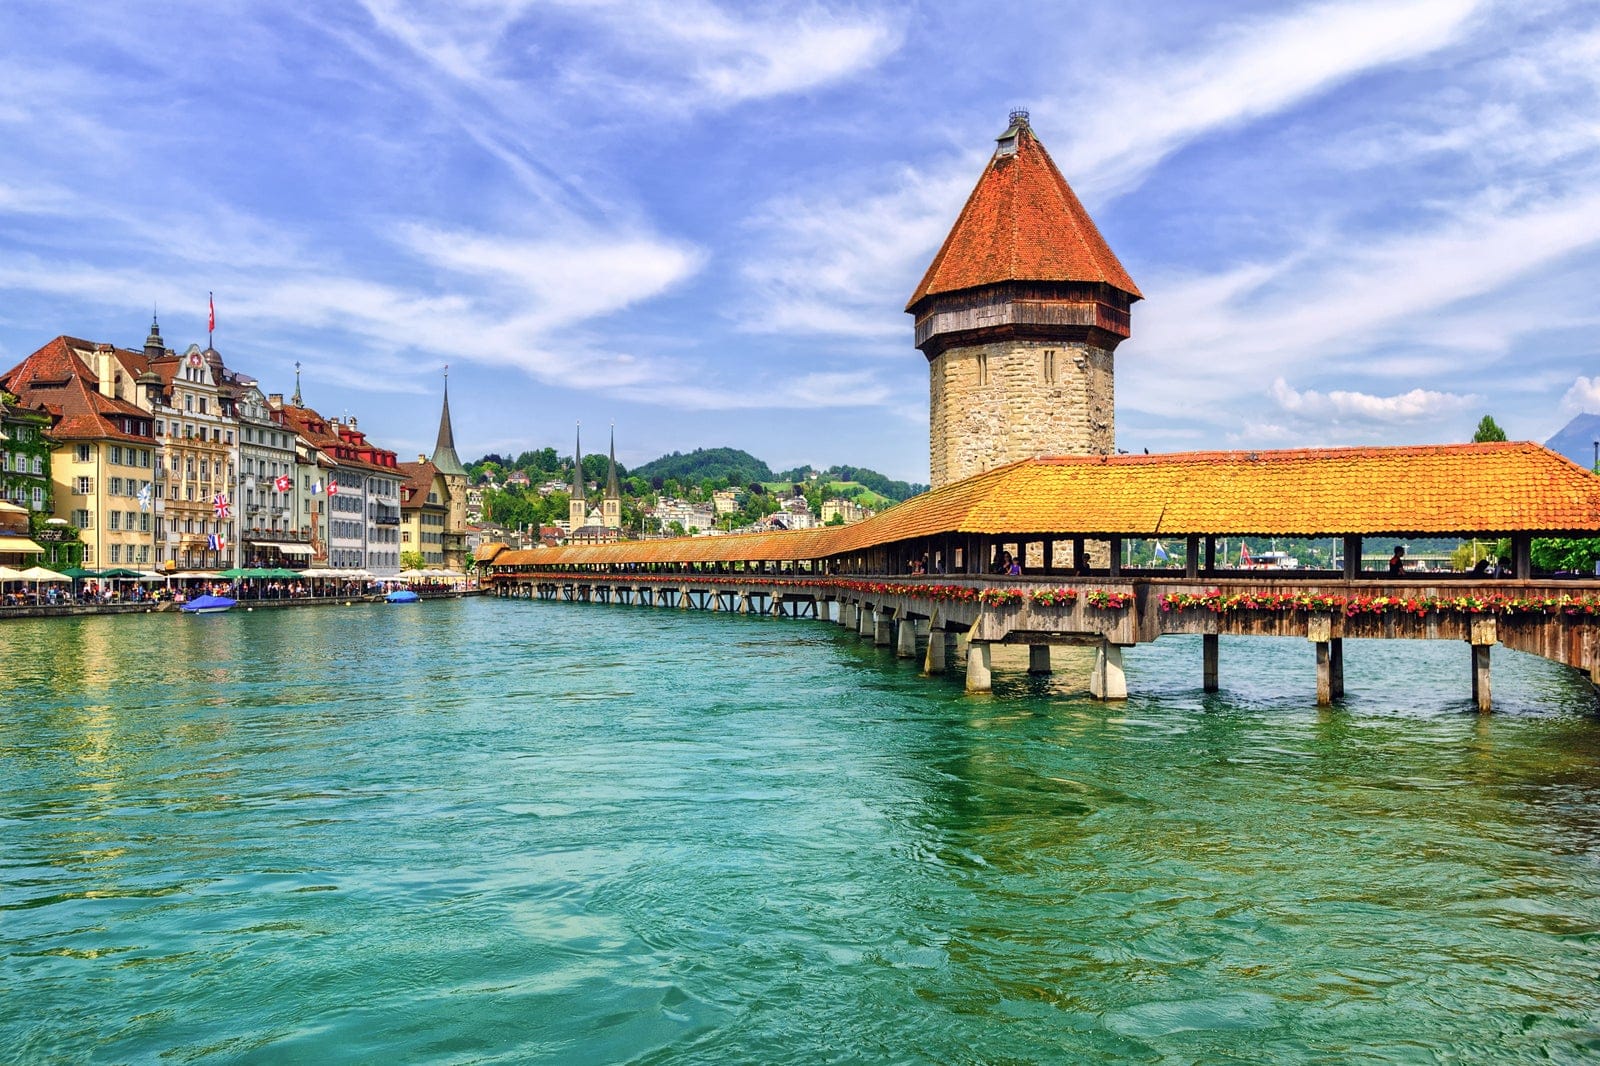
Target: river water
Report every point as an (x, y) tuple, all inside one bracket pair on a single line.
[(509, 831)]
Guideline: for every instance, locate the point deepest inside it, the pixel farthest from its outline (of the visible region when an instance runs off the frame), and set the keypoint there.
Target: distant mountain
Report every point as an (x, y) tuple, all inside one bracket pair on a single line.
[(1576, 440), (739, 467), (879, 483)]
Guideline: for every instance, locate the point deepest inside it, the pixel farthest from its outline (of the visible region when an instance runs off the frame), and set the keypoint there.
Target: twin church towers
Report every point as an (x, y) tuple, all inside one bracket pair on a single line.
[(1019, 314)]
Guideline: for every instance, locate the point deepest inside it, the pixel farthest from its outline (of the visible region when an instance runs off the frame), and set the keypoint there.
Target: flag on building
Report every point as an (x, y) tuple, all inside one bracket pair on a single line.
[(283, 483), (216, 542), (333, 487), (219, 504), (1161, 552), (144, 497), (211, 312), (316, 488), (1244, 554)]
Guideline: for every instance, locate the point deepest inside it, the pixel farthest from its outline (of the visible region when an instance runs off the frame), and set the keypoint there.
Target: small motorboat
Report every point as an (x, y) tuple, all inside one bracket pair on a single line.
[(208, 605), (402, 596)]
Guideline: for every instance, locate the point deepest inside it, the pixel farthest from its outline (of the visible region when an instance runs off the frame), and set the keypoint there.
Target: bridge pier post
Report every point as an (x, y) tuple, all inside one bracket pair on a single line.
[(1209, 656), (847, 614), (1038, 658), (883, 628), (1483, 638), (683, 598), (1336, 666), (933, 659), (1330, 659), (905, 638), (864, 628), (978, 675), (824, 613), (1108, 682)]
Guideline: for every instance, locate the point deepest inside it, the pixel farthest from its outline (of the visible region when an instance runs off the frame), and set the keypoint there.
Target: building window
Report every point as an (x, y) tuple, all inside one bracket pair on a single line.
[(83, 453), (116, 486), (983, 368), (1049, 368), (82, 486), (116, 553), (188, 402), (161, 427)]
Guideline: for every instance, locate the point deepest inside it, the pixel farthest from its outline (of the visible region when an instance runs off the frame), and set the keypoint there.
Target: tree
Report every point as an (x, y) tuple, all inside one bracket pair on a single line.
[(1488, 430), (410, 560)]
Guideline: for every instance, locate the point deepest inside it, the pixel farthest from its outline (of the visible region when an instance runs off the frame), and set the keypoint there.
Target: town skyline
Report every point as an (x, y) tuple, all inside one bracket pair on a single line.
[(1352, 223)]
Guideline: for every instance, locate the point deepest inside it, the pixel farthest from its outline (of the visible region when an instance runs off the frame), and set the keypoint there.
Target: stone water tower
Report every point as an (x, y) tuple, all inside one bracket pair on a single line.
[(1019, 315)]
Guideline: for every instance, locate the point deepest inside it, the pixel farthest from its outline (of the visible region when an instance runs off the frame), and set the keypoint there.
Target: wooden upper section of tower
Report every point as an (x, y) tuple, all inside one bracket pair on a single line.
[(1023, 236)]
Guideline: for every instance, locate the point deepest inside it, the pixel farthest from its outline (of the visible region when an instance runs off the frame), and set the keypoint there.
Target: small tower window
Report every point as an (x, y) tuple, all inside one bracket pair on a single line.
[(1049, 367), (983, 368)]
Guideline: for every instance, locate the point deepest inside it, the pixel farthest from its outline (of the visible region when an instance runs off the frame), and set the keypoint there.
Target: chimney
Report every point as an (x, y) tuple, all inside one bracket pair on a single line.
[(275, 400), (421, 458)]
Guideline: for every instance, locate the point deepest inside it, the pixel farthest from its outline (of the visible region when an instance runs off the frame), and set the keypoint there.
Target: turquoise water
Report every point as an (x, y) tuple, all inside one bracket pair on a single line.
[(492, 831)]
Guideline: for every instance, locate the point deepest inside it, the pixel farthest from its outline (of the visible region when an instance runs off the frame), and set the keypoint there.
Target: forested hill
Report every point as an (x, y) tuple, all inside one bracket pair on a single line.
[(739, 467), (879, 483)]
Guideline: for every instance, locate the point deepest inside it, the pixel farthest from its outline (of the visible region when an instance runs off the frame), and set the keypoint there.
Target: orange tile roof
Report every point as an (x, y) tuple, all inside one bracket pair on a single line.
[(1420, 490), (59, 377), (1022, 223)]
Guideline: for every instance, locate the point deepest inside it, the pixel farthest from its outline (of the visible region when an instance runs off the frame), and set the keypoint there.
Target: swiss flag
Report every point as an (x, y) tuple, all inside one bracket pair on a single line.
[(333, 487), (211, 309)]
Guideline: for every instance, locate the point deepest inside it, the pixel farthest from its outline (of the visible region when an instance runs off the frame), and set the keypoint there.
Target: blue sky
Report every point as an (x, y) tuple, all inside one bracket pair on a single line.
[(1356, 222)]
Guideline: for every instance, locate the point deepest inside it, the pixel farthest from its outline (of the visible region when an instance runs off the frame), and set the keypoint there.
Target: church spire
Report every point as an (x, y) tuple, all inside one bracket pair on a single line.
[(295, 399), (444, 452), (613, 489), (577, 466), (154, 346)]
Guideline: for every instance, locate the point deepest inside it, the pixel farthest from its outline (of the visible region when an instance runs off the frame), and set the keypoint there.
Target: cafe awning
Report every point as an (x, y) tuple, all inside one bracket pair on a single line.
[(19, 546), (295, 549)]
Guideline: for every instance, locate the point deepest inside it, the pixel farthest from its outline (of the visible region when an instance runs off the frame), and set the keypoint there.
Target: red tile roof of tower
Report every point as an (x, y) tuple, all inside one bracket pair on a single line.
[(1022, 223)]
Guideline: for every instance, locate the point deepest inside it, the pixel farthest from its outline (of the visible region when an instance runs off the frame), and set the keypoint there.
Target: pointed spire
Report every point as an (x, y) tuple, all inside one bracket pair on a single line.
[(154, 346), (444, 452), (577, 465), (295, 399), (613, 489)]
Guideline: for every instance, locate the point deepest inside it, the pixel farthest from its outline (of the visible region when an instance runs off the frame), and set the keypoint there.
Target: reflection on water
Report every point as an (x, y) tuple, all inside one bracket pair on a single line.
[(595, 834)]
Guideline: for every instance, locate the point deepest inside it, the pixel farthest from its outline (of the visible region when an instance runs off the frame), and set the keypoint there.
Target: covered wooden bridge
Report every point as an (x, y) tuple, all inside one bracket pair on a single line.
[(923, 575)]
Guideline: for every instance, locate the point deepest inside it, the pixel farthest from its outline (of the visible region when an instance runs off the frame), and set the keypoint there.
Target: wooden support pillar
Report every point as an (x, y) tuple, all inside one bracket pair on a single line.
[(905, 639), (1483, 637), (1319, 630), (1108, 682), (1077, 553), (933, 660), (1352, 558), (1211, 554), (1336, 667), (1522, 555), (1191, 558), (978, 676), (1116, 556), (883, 628), (1038, 658), (1208, 666)]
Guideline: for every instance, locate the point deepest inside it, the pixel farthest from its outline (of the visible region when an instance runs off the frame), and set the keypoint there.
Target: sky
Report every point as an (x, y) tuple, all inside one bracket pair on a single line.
[(1362, 222)]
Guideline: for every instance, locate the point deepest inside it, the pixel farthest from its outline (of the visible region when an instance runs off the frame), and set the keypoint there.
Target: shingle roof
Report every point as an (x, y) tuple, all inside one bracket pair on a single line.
[(59, 377), (1022, 223), (1419, 490)]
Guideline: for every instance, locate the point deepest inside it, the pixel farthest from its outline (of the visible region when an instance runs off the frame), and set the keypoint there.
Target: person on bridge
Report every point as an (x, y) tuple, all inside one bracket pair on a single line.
[(1397, 561)]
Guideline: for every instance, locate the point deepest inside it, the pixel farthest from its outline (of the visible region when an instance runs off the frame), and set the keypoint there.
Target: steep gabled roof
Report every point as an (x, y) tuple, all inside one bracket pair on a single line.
[(59, 378), (1022, 223)]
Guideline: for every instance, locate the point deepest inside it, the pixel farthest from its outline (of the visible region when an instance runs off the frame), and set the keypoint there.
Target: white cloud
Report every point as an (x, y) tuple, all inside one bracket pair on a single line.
[(1343, 404), (1125, 125), (1583, 396)]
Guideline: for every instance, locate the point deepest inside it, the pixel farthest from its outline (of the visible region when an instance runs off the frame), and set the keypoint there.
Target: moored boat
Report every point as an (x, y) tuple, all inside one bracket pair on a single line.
[(208, 605), (403, 596)]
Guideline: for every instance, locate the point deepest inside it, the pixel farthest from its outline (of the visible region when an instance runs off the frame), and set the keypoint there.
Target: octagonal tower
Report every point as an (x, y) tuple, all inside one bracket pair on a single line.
[(1019, 314)]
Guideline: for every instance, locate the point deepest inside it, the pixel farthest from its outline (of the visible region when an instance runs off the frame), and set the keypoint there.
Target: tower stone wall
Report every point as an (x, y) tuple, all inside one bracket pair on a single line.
[(992, 404)]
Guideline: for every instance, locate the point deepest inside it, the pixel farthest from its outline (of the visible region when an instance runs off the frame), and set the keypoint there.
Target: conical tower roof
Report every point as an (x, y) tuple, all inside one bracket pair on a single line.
[(1022, 223), (444, 451), (577, 465)]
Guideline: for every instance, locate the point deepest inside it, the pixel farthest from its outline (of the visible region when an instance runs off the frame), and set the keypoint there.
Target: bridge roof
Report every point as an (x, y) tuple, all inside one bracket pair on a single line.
[(1419, 490)]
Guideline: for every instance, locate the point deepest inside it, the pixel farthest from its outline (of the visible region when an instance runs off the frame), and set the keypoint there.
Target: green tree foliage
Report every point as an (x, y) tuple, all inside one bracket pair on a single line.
[(731, 463), (1562, 553), (1488, 430), (412, 560)]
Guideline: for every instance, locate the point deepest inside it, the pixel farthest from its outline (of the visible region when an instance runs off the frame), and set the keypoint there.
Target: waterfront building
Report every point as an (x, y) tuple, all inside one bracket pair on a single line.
[(360, 498), (455, 484), (25, 447), (194, 419), (1018, 315), (273, 528), (847, 511), (105, 471), (425, 513)]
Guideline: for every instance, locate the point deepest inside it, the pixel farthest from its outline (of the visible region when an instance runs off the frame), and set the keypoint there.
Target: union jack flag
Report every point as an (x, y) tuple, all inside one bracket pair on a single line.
[(283, 483), (219, 504)]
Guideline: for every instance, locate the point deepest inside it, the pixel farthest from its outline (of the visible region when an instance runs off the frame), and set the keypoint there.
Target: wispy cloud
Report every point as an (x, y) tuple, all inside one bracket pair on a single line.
[(1251, 69), (1583, 396)]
